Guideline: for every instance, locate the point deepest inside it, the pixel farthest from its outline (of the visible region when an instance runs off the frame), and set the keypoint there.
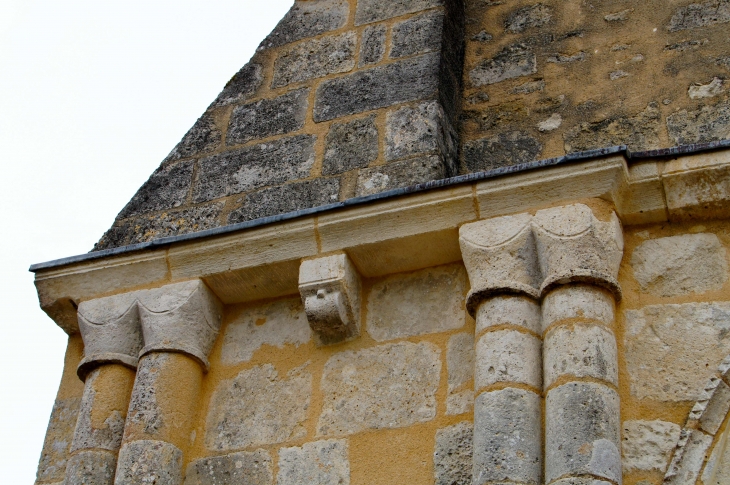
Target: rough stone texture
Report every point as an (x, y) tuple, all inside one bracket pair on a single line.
[(586, 481), (680, 265), (427, 301), (318, 463), (242, 86), (671, 350), (315, 58), (307, 19), (167, 188), (702, 14), (350, 145), (144, 410), (389, 386), (258, 408), (417, 35), (203, 137), (717, 470), (579, 301), (52, 465), (704, 124), (691, 458), (508, 356), (640, 132), (86, 436), (378, 87), (460, 360), (147, 461), (375, 10), (648, 445), (249, 468), (717, 409), (581, 351), (253, 167), (268, 117), (400, 174), (509, 310), (507, 437), (582, 427), (513, 61), (504, 149), (413, 130), (528, 17), (460, 402), (279, 323), (710, 90), (453, 455), (285, 198), (91, 468), (372, 47)]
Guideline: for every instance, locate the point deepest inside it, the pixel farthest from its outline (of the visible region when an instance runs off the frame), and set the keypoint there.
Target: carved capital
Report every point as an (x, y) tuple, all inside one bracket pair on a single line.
[(330, 290), (574, 246), (500, 257)]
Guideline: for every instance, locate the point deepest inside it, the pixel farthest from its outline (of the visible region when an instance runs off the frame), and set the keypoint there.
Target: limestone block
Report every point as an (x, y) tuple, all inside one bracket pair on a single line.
[(350, 145), (258, 408), (374, 10), (413, 130), (243, 85), (671, 350), (527, 18), (582, 427), (718, 464), (460, 366), (389, 386), (319, 463), (688, 458), (717, 409), (279, 323), (460, 402), (581, 351), (507, 437), (648, 445), (504, 149), (509, 310), (453, 455), (404, 173), (60, 433), (573, 245), (91, 468), (315, 58), (697, 15), (308, 19), (268, 117), (582, 481), (701, 125), (508, 356), (149, 461), (372, 47), (169, 185), (250, 468), (417, 35), (680, 265), (583, 302), (89, 435), (330, 289), (427, 301), (513, 61), (144, 409)]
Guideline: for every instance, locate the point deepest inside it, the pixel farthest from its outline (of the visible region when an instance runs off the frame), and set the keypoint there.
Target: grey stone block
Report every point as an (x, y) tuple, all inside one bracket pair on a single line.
[(648, 445), (377, 87), (144, 411), (519, 311), (513, 61), (528, 17), (203, 137), (417, 35), (581, 351), (414, 130), (249, 468), (268, 117), (167, 188), (253, 167), (709, 12), (704, 124), (91, 468), (508, 356), (582, 432), (307, 19), (507, 437), (285, 198), (452, 457), (640, 132), (149, 461), (350, 145), (400, 174), (460, 360), (372, 46), (315, 58), (242, 86), (60, 433), (319, 463), (107, 436), (503, 150), (375, 10)]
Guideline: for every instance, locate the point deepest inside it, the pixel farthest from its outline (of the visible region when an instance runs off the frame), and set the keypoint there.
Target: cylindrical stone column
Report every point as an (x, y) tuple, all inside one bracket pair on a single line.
[(180, 323), (579, 257), (501, 260)]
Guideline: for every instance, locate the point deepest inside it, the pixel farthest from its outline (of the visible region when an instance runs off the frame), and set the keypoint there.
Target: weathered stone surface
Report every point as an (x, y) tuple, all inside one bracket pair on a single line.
[(417, 129), (350, 145), (250, 468), (253, 167), (278, 323), (507, 437), (453, 454), (242, 86), (167, 188), (508, 356), (640, 132), (505, 149), (268, 117), (417, 35), (427, 301), (705, 124), (529, 87), (648, 445), (709, 90), (567, 58), (307, 19), (513, 61), (147, 461), (400, 174), (581, 351), (509, 310), (582, 427), (91, 468), (285, 198), (680, 265), (460, 402), (718, 464), (258, 408), (528, 17), (579, 301), (108, 436), (550, 124), (460, 360), (203, 137), (717, 409), (144, 410), (389, 386), (585, 481), (375, 10), (618, 16), (60, 433), (315, 58), (687, 462), (671, 350), (372, 47), (709, 12), (378, 87), (318, 463)]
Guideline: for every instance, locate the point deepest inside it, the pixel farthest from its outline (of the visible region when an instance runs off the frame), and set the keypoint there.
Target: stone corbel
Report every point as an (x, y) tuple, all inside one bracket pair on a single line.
[(330, 290)]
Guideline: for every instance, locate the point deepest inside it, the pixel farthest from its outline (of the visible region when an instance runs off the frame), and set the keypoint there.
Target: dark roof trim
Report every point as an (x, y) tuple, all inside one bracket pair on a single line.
[(461, 179)]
